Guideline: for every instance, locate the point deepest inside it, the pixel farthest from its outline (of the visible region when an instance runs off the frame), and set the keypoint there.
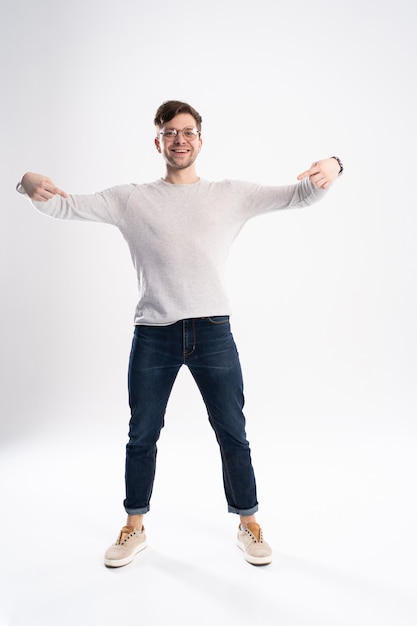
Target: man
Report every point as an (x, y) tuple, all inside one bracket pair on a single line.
[(179, 230)]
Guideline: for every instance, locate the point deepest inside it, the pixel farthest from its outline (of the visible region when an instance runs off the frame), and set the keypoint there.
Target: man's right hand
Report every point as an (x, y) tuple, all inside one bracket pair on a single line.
[(40, 188)]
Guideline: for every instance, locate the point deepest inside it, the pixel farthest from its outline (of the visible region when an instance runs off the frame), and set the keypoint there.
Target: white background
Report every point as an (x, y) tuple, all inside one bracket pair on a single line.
[(324, 305)]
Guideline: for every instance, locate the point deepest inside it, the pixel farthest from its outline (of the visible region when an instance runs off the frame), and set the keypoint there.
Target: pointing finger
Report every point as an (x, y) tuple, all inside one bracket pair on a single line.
[(47, 189), (59, 192), (314, 169), (304, 175)]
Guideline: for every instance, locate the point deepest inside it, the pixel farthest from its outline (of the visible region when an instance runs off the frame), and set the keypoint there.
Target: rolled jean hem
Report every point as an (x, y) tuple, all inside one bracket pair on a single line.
[(141, 511), (245, 512)]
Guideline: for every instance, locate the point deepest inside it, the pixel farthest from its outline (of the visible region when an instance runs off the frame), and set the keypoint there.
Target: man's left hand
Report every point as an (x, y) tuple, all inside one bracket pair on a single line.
[(322, 173)]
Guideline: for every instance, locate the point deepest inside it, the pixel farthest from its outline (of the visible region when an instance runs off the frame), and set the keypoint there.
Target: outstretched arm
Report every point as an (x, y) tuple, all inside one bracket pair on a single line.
[(104, 206), (323, 173), (40, 188)]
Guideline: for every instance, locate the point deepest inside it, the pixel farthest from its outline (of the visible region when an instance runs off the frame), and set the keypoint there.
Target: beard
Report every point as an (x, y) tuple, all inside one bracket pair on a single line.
[(181, 162)]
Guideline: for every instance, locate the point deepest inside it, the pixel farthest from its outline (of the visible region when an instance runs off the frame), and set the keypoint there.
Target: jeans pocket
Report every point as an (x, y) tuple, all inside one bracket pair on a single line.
[(219, 319)]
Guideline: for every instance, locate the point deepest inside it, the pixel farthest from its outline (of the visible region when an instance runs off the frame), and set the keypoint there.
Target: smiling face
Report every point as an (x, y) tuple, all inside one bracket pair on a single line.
[(179, 152)]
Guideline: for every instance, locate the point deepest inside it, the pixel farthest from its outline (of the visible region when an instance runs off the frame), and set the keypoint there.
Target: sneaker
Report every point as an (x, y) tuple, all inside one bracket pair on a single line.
[(128, 544), (250, 540)]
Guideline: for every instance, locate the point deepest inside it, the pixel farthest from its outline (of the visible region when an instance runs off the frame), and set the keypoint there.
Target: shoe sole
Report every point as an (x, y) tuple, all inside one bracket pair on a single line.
[(254, 560), (127, 559)]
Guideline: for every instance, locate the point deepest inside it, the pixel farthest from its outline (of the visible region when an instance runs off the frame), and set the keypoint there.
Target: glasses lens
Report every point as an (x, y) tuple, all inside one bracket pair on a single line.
[(169, 133), (190, 132)]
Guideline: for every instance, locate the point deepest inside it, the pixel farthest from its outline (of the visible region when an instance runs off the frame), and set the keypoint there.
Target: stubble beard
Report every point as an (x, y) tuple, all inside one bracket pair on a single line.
[(172, 161)]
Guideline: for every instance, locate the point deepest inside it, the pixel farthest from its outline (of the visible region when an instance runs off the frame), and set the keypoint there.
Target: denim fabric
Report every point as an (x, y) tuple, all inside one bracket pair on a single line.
[(207, 348)]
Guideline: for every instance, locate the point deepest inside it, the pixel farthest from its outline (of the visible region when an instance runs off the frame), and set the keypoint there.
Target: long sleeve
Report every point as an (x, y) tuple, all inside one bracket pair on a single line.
[(105, 206), (258, 199)]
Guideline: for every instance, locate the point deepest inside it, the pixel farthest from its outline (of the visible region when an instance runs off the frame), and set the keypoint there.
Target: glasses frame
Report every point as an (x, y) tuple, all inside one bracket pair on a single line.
[(177, 131)]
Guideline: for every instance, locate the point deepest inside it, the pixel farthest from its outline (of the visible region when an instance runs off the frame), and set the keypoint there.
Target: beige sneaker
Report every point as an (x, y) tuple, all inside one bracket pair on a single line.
[(251, 541), (128, 544)]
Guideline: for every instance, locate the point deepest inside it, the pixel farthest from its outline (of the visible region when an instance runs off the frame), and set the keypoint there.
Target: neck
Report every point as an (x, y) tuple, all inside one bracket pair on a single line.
[(186, 176)]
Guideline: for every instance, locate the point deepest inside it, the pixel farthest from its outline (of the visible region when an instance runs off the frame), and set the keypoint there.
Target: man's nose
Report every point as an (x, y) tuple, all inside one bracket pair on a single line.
[(179, 138)]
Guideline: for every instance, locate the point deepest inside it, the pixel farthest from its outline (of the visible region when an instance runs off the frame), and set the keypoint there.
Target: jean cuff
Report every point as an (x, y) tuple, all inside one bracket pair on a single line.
[(244, 512), (141, 511)]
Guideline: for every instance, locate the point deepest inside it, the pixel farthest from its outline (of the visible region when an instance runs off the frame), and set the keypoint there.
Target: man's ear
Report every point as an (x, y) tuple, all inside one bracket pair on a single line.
[(158, 144)]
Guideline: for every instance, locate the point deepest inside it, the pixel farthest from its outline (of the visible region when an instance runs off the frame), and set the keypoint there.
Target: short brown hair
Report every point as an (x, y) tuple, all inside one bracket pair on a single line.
[(169, 109)]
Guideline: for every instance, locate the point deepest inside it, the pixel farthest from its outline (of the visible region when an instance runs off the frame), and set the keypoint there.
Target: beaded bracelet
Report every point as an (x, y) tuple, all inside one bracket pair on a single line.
[(340, 164), (20, 189)]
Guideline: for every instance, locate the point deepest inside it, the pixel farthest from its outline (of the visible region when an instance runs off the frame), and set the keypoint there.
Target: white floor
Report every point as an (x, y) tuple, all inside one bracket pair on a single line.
[(338, 509)]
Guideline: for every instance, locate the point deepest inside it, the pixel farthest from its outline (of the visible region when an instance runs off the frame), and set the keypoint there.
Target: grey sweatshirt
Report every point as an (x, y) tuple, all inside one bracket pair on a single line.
[(179, 236)]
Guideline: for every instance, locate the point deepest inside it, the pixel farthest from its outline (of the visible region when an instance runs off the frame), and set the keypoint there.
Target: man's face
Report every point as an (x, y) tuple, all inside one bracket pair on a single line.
[(179, 152)]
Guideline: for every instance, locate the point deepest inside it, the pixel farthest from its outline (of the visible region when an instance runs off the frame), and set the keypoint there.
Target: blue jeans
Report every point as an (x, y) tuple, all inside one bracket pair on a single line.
[(207, 347)]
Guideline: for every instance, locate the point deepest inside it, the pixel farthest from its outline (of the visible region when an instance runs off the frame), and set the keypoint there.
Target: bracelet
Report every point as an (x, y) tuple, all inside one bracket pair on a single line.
[(340, 164), (20, 188)]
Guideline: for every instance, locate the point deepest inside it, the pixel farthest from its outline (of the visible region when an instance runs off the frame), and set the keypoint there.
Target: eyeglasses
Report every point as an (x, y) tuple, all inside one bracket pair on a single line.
[(189, 132)]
